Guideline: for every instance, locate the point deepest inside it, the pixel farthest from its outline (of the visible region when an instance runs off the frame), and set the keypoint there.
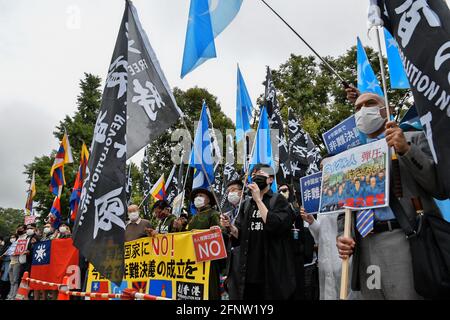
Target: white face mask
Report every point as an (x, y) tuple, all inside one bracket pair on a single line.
[(47, 230), (62, 229), (199, 202), (233, 198), (12, 240), (30, 232), (369, 119), (133, 216)]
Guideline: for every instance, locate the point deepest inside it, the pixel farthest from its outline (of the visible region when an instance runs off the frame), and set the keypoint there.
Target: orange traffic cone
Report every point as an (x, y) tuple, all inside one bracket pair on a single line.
[(62, 295), (24, 289)]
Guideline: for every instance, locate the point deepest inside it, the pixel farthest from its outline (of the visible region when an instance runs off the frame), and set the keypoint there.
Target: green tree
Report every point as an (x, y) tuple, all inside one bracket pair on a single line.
[(190, 102), (9, 220), (80, 128)]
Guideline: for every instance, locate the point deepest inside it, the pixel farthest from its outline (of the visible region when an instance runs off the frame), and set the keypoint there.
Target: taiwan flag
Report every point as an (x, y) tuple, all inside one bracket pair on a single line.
[(52, 260), (99, 287)]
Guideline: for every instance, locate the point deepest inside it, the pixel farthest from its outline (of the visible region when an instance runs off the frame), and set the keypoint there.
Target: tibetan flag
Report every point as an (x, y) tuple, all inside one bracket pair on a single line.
[(367, 81), (76, 192), (31, 194), (52, 260), (207, 19), (158, 190), (63, 156), (55, 213)]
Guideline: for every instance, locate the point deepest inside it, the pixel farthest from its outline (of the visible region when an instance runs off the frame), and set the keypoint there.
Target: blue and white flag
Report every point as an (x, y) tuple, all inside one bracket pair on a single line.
[(263, 146), (367, 81), (244, 108), (207, 19), (397, 73), (201, 154)]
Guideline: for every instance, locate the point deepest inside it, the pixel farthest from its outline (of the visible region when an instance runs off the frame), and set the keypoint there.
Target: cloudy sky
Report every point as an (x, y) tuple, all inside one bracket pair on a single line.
[(47, 45)]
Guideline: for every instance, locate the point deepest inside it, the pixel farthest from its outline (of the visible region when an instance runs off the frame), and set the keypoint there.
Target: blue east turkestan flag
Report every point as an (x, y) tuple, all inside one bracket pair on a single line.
[(397, 73), (262, 152), (244, 108), (201, 154), (207, 19), (367, 81)]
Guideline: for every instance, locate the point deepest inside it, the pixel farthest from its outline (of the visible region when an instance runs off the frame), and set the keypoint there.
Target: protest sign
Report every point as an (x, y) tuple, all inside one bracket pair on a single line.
[(21, 247), (29, 220), (310, 190), (342, 137), (209, 245), (164, 265), (356, 179)]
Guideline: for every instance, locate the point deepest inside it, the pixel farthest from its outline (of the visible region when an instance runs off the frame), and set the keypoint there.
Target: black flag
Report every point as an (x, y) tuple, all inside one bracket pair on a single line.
[(146, 185), (99, 228), (280, 151), (298, 148), (151, 105), (229, 171), (129, 186), (172, 184), (422, 32)]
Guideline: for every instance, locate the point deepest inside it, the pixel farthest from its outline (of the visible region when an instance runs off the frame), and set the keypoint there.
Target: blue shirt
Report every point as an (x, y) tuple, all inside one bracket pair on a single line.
[(386, 213)]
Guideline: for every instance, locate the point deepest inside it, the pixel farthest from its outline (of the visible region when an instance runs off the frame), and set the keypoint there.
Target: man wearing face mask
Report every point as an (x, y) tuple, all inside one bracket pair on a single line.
[(207, 218), (385, 245), (48, 233), (263, 231), (162, 212), (231, 283), (136, 227)]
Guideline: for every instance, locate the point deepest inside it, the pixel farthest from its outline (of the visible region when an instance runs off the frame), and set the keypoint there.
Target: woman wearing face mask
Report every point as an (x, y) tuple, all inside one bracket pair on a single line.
[(205, 218), (64, 232), (14, 266)]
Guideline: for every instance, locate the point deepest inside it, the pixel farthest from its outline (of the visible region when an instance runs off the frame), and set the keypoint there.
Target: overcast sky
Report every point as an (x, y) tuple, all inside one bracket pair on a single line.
[(47, 45)]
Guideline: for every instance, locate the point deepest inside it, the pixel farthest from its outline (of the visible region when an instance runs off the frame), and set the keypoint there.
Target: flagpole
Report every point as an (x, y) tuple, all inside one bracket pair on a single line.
[(398, 191), (344, 83), (203, 169), (247, 173)]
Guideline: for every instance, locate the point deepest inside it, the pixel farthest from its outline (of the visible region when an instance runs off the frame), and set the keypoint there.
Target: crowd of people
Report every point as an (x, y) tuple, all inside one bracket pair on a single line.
[(275, 249), (14, 265)]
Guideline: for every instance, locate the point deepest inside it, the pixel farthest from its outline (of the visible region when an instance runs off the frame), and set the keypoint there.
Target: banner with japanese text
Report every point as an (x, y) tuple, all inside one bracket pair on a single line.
[(164, 266), (342, 137), (356, 179)]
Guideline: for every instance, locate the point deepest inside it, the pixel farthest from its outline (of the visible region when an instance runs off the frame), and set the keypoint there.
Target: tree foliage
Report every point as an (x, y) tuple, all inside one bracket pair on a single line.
[(9, 220), (316, 95)]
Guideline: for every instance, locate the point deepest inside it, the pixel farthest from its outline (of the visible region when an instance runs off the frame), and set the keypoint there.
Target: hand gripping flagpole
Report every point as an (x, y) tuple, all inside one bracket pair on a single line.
[(344, 83), (397, 187)]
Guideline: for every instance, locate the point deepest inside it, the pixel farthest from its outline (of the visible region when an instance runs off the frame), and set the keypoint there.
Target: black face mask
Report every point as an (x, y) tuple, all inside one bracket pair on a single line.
[(261, 181)]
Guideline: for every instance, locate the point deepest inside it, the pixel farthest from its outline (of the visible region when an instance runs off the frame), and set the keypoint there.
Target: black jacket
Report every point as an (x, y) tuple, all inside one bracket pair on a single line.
[(278, 256)]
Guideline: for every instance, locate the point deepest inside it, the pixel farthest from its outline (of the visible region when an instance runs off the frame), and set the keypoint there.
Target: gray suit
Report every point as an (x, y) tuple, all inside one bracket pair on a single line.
[(390, 251)]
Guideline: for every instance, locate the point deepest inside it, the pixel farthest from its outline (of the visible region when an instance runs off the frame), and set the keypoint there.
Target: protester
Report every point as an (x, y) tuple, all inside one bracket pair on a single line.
[(136, 227), (234, 193), (386, 245), (297, 240), (64, 232), (14, 266), (162, 211), (5, 259), (207, 218), (48, 233), (26, 258), (263, 231)]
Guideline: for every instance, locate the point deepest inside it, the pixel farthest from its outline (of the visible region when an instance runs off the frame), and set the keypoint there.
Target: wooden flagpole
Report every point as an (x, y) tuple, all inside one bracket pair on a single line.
[(345, 263)]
